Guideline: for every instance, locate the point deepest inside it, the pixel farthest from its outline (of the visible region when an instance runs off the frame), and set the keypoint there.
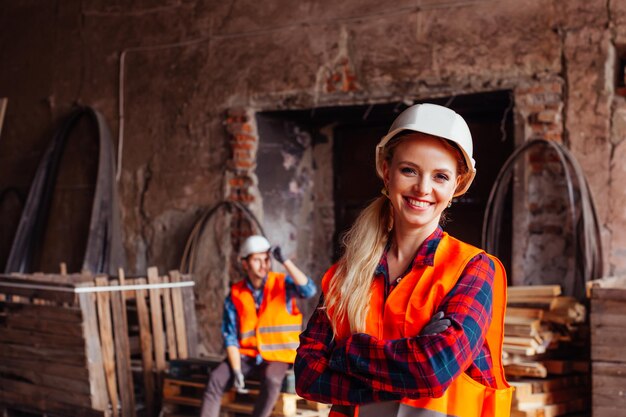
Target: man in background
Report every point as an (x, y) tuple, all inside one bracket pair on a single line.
[(261, 327)]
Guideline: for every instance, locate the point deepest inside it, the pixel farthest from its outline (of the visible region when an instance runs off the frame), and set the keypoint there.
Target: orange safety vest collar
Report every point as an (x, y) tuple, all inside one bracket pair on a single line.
[(408, 309), (272, 332)]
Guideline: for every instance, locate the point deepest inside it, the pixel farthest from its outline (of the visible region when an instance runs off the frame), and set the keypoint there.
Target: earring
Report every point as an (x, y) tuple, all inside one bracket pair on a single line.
[(385, 192), (450, 204)]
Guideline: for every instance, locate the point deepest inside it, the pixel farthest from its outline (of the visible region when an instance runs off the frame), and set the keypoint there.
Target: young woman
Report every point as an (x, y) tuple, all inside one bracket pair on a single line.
[(410, 322)]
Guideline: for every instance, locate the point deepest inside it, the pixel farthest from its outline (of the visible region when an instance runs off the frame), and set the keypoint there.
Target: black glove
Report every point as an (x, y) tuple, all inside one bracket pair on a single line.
[(436, 325), (278, 254)]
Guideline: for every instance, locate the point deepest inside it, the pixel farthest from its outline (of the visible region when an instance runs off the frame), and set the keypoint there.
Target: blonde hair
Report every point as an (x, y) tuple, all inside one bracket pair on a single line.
[(349, 290), (348, 293)]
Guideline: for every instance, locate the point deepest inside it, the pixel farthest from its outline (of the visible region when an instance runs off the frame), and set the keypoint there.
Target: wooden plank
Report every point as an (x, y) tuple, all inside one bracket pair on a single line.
[(145, 339), (533, 291), (42, 340), (56, 313), (156, 314), (609, 380), (122, 352), (179, 317), (80, 373), (608, 353), (172, 351), (616, 294), (97, 384), (44, 325), (551, 383), (553, 410), (608, 411), (37, 378), (8, 288), (606, 306), (528, 369), (70, 280), (106, 339), (38, 403), (27, 390), (524, 313), (553, 397), (69, 356), (607, 343), (191, 324), (608, 320)]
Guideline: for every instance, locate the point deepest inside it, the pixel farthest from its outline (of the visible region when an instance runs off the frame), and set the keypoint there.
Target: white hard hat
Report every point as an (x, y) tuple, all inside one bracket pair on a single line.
[(254, 244), (438, 121)]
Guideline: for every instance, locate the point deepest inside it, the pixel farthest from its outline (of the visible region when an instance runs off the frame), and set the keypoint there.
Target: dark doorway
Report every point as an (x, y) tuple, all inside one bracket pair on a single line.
[(357, 130)]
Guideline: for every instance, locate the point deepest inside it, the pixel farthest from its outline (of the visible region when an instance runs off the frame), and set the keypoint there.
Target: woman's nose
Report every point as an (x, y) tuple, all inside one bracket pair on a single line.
[(423, 185)]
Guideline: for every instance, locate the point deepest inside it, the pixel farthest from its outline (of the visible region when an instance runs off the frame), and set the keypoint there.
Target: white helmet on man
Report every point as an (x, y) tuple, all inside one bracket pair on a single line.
[(437, 121), (254, 244)]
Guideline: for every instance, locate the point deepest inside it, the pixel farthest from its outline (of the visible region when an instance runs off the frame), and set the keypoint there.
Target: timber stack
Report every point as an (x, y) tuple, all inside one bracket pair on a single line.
[(608, 341), (79, 345), (546, 352)]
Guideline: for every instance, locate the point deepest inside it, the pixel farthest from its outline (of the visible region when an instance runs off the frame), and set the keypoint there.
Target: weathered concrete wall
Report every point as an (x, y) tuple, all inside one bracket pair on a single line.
[(188, 61)]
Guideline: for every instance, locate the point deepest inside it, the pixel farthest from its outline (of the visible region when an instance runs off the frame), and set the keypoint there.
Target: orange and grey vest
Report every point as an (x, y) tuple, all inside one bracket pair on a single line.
[(410, 306), (272, 332)]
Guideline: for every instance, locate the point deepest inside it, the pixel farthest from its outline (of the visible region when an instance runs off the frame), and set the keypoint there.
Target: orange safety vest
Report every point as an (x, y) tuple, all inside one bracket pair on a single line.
[(273, 332), (411, 305)]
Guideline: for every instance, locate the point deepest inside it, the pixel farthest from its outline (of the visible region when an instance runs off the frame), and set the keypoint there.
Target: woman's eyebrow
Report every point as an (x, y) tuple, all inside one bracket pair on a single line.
[(417, 166)]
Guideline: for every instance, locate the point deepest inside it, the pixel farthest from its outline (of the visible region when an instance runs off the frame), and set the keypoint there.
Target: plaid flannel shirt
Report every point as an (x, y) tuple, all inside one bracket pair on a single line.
[(364, 369)]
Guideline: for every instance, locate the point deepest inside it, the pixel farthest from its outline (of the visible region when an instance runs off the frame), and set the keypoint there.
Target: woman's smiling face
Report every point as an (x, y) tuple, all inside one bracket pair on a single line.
[(421, 179)]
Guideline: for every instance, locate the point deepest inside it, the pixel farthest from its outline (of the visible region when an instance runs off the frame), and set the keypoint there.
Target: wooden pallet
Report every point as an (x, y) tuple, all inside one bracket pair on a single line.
[(188, 393)]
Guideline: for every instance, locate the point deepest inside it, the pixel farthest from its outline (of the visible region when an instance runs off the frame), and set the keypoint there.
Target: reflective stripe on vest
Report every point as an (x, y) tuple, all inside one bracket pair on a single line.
[(410, 306), (273, 332)]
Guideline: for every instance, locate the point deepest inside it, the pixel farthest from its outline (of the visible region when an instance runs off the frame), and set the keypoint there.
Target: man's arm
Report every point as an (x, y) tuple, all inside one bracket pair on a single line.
[(298, 276), (234, 357), (298, 284)]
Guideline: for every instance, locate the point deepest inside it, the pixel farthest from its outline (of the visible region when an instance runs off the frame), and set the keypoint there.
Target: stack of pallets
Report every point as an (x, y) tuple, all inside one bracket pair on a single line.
[(546, 347), (91, 346)]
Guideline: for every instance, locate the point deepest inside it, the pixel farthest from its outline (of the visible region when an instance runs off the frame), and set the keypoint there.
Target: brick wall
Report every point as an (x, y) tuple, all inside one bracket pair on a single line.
[(542, 252)]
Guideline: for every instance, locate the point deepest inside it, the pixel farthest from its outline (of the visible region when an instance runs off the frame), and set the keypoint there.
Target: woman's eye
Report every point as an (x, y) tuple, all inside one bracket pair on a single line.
[(442, 177), (407, 171)]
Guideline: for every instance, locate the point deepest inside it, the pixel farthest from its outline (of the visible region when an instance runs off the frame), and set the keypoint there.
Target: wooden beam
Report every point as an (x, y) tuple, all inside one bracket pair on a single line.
[(172, 351), (191, 325), (145, 339), (179, 317), (156, 313), (106, 338), (122, 353), (93, 351)]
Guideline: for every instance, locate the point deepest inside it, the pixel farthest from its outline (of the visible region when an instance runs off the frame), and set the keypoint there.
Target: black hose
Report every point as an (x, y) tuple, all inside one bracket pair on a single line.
[(587, 247)]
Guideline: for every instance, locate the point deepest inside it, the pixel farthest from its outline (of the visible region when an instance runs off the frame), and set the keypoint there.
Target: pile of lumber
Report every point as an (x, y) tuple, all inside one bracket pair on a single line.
[(91, 346), (545, 351), (608, 339)]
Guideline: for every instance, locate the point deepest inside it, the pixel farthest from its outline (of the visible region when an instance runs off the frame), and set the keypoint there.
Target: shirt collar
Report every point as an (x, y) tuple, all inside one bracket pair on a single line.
[(425, 255), (251, 287)]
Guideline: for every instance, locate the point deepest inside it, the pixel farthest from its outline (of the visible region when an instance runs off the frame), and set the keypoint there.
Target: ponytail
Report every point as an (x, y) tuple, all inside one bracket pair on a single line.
[(349, 290)]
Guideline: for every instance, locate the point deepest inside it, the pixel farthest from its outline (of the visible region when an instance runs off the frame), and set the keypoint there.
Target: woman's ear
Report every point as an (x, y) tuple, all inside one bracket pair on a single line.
[(385, 173), (460, 179)]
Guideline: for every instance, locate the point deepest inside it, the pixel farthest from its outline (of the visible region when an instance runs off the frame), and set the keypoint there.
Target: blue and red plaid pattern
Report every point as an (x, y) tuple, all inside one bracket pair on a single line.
[(364, 369)]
